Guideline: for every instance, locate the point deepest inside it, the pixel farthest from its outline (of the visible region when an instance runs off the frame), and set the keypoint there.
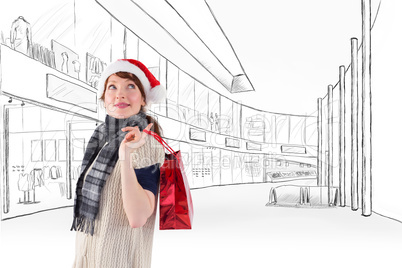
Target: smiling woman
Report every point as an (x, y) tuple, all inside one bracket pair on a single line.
[(114, 209)]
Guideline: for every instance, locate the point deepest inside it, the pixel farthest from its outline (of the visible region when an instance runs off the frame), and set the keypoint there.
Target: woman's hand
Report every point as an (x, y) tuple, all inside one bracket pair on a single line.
[(133, 140)]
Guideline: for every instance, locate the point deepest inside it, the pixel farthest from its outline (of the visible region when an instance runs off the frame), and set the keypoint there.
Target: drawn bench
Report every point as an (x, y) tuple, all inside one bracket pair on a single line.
[(312, 196)]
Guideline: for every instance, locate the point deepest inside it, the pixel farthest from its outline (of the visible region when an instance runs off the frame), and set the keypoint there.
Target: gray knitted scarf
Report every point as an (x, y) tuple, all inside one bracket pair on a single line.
[(105, 141)]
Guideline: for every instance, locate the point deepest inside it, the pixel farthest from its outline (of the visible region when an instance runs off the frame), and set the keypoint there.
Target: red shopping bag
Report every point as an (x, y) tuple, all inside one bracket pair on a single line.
[(175, 203)]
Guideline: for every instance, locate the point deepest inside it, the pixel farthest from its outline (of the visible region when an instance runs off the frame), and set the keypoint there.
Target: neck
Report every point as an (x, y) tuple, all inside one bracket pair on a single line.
[(134, 117)]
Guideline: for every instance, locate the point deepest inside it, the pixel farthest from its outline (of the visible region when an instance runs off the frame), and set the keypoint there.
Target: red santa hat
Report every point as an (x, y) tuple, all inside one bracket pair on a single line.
[(154, 91)]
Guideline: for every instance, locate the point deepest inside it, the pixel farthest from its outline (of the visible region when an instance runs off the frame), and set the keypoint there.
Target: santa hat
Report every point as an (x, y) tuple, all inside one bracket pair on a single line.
[(154, 91)]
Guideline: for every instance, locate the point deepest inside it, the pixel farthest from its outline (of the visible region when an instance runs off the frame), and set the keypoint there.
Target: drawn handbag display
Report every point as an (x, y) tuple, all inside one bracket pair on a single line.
[(175, 202)]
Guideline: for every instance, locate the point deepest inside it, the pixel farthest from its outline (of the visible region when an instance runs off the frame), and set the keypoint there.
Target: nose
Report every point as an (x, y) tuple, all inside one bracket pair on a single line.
[(120, 94)]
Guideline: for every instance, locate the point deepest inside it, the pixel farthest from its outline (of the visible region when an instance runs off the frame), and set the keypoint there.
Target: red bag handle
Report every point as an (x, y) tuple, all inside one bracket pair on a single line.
[(161, 141)]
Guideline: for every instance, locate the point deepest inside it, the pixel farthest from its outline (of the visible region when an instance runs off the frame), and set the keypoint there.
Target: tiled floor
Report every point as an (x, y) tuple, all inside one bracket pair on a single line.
[(232, 228)]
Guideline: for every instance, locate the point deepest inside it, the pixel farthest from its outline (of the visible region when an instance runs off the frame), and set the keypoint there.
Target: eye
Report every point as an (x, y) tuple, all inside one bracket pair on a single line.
[(111, 86), (131, 86)]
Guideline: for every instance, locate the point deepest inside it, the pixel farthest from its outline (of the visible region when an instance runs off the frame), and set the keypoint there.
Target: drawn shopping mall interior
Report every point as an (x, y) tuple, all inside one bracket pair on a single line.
[(51, 63)]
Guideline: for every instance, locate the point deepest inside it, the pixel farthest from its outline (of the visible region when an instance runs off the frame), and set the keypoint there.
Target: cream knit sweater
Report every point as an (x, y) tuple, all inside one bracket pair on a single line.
[(115, 244)]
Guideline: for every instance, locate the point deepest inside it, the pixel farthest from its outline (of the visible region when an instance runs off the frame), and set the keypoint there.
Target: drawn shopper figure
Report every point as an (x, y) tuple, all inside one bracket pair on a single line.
[(211, 120), (116, 194), (216, 122)]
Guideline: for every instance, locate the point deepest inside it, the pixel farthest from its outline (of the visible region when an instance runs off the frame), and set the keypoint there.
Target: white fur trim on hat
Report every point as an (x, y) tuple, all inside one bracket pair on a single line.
[(156, 95)]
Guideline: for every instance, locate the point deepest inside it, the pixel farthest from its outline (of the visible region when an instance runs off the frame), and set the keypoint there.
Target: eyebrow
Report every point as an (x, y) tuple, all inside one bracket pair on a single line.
[(126, 80)]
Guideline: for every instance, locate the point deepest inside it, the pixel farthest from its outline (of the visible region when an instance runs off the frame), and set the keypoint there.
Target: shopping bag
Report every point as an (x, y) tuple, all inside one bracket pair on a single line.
[(175, 202)]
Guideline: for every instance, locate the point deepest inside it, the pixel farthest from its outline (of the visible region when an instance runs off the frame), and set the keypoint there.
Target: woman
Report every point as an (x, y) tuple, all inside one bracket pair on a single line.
[(116, 194)]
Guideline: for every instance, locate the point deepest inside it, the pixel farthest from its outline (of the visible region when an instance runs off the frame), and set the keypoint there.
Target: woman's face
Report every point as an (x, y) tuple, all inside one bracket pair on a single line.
[(122, 97)]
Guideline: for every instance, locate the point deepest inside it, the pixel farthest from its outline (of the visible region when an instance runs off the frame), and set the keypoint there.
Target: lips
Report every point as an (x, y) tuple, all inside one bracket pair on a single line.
[(121, 105)]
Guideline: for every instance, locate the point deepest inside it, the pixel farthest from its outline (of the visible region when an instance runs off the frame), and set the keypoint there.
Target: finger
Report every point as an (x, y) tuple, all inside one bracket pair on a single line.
[(124, 129), (128, 137), (147, 128), (132, 135)]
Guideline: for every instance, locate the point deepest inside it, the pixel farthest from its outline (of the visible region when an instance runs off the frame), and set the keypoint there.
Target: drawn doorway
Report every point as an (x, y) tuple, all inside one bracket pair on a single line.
[(35, 176)]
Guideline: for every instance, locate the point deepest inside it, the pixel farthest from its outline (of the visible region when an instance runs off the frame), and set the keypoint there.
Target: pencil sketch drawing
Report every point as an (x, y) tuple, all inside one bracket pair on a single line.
[(271, 105)]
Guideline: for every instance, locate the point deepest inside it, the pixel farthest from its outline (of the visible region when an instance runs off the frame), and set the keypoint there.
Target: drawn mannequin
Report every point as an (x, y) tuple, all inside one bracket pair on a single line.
[(64, 65), (77, 67), (25, 184), (21, 36)]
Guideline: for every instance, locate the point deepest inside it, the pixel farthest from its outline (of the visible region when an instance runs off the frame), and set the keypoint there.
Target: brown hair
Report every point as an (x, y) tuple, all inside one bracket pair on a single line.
[(155, 127)]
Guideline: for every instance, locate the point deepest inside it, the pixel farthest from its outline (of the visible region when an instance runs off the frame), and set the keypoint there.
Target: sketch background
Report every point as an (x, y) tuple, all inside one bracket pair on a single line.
[(290, 50)]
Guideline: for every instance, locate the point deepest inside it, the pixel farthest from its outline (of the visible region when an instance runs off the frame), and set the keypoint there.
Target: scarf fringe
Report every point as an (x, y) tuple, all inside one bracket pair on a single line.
[(83, 224)]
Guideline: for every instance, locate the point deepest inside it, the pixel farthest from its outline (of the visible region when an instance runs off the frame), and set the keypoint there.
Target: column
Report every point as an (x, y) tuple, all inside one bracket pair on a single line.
[(342, 140), (366, 108), (354, 127), (320, 144), (330, 162)]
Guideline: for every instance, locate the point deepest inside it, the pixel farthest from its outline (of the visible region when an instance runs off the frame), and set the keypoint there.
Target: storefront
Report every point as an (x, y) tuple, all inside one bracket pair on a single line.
[(44, 134)]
